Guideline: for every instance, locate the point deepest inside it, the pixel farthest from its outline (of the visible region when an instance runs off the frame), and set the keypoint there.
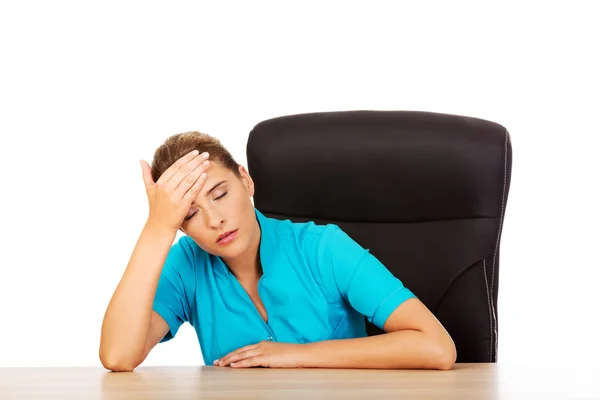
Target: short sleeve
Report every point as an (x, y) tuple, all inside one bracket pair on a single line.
[(359, 276), (174, 292)]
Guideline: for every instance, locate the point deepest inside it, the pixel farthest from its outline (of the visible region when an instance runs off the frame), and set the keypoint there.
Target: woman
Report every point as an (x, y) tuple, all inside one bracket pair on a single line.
[(258, 291)]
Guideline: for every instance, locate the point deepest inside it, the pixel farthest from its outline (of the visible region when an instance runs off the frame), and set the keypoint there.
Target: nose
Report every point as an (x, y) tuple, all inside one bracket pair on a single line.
[(214, 220)]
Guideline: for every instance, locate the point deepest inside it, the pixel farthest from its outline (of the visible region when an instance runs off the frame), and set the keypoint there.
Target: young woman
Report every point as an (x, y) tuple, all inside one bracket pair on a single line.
[(258, 291)]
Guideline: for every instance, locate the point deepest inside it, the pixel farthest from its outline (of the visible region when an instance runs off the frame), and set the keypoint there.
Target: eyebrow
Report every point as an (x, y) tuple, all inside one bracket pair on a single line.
[(211, 190), (214, 187)]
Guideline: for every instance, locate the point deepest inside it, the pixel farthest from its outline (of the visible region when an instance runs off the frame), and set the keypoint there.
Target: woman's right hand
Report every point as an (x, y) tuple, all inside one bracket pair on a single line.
[(170, 197)]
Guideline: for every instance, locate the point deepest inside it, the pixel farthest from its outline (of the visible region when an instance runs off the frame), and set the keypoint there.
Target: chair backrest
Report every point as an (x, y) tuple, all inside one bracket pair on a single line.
[(424, 192)]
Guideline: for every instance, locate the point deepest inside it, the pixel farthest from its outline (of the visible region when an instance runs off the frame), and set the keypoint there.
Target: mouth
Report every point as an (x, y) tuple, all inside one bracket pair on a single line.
[(225, 235)]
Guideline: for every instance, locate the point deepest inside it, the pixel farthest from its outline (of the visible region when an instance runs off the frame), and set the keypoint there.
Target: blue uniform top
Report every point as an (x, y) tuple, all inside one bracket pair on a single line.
[(317, 284)]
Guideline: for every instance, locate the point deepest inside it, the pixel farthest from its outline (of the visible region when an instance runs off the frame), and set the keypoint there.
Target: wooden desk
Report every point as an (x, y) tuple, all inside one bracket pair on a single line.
[(466, 381)]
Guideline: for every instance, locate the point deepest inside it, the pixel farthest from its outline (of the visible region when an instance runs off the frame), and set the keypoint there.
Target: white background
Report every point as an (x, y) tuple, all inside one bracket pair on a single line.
[(87, 89)]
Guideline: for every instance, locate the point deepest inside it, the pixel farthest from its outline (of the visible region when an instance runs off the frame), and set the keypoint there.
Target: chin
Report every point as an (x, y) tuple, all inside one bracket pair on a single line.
[(234, 249)]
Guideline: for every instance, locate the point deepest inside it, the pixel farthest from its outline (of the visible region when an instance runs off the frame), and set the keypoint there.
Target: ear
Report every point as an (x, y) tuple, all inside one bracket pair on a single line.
[(246, 180)]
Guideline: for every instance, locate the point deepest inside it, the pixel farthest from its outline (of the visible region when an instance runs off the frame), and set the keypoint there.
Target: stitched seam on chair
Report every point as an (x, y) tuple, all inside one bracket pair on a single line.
[(498, 235), (454, 280), (487, 291)]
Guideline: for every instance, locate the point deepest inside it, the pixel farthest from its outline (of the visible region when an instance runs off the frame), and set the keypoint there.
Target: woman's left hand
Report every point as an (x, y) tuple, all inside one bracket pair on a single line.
[(264, 354)]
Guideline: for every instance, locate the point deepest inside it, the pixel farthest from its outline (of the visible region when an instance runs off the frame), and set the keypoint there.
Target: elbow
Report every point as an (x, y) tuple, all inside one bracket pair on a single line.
[(444, 357), (117, 364), (445, 363)]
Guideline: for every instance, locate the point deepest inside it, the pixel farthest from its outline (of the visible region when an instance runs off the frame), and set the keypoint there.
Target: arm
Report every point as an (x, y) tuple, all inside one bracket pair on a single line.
[(131, 328), (414, 339)]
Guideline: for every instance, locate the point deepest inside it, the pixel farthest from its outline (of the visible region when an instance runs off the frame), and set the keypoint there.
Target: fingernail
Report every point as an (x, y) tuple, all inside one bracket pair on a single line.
[(233, 364), (216, 361), (205, 155)]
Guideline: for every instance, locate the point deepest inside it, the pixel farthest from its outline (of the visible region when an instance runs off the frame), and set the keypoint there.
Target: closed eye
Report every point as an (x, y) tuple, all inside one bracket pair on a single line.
[(190, 217)]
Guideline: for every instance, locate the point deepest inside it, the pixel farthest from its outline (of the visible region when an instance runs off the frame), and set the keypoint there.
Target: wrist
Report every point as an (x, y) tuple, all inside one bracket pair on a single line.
[(156, 229)]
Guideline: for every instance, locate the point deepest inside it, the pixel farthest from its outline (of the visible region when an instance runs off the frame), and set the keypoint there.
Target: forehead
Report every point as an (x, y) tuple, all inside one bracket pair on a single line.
[(215, 175), (216, 172)]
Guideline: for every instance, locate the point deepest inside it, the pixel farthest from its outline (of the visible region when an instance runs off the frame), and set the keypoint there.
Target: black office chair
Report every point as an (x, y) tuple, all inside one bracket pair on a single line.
[(424, 192)]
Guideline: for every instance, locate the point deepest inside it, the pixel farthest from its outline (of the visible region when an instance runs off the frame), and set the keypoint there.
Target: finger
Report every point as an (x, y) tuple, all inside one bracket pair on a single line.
[(233, 353), (225, 361), (248, 347), (241, 356), (195, 189), (176, 165), (172, 184), (146, 173), (256, 361), (189, 181)]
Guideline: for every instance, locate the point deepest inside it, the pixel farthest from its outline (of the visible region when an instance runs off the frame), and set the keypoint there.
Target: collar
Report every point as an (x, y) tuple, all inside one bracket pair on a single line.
[(269, 240)]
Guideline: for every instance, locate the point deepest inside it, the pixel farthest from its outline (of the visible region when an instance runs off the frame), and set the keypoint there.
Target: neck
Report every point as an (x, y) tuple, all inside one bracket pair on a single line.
[(246, 267)]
